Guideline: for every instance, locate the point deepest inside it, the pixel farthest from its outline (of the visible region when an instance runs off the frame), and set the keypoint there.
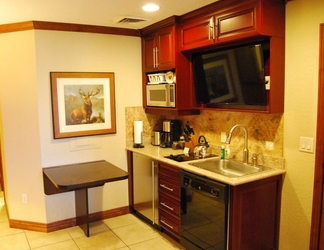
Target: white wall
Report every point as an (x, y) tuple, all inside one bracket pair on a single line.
[(43, 52), (301, 88)]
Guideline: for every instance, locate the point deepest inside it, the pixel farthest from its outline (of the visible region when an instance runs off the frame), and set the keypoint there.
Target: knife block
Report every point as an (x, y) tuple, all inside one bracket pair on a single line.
[(192, 143)]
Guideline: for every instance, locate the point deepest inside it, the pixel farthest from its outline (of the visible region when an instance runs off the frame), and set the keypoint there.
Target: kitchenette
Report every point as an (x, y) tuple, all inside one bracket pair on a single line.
[(196, 204)]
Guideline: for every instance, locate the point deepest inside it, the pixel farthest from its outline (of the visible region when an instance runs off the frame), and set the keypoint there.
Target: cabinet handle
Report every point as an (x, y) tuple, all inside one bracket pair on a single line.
[(211, 28), (168, 225), (165, 205), (164, 186), (215, 30), (156, 57)]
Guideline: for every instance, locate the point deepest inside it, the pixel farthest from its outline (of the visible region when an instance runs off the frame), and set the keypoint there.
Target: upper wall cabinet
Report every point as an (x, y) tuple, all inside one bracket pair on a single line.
[(159, 49), (160, 54), (245, 19), (174, 43)]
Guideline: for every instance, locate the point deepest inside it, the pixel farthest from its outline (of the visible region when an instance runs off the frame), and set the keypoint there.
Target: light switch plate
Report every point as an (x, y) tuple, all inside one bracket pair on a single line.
[(306, 144)]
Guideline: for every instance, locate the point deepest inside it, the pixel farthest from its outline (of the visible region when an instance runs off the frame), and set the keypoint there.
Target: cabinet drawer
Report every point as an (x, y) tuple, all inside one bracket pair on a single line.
[(236, 23), (169, 205), (169, 171), (169, 187), (170, 223)]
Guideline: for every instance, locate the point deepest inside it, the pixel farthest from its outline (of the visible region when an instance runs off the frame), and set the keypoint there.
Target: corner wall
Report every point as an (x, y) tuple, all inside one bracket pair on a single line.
[(25, 96)]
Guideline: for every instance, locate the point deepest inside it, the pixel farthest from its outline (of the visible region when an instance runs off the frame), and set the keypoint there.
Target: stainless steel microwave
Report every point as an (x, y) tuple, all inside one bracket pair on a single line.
[(160, 95)]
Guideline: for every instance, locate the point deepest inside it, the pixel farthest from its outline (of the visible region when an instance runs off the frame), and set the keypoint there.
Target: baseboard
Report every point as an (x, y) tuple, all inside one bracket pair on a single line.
[(58, 225)]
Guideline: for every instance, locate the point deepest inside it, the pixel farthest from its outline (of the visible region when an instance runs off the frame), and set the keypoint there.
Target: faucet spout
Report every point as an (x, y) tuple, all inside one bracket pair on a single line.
[(245, 150)]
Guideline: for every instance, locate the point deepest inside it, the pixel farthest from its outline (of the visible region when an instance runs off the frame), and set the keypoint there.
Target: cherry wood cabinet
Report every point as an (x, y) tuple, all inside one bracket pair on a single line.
[(169, 44), (159, 50), (255, 214), (169, 199), (160, 54), (254, 208), (245, 19), (240, 22)]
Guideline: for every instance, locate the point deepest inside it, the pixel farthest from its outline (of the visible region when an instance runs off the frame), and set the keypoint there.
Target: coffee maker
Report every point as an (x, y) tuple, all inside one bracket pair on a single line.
[(171, 132)]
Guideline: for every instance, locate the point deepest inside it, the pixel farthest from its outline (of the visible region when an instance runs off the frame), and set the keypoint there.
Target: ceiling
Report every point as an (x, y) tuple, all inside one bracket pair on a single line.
[(93, 12)]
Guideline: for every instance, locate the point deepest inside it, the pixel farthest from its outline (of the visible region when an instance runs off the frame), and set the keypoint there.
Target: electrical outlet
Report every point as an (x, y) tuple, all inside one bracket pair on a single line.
[(223, 137), (269, 145), (24, 198)]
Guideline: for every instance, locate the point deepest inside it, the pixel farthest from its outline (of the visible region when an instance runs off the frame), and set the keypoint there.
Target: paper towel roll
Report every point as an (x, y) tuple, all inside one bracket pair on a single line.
[(138, 129)]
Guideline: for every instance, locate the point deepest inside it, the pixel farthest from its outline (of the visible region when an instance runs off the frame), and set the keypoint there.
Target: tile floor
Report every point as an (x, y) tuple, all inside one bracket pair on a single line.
[(123, 232)]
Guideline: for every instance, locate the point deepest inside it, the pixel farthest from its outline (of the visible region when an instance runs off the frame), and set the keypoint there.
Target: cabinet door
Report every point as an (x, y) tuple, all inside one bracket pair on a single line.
[(159, 50), (149, 46), (237, 22), (255, 214), (197, 33), (165, 49), (230, 24)]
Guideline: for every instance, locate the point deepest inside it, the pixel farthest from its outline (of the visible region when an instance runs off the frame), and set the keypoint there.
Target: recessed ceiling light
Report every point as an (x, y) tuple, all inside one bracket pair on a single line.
[(150, 7)]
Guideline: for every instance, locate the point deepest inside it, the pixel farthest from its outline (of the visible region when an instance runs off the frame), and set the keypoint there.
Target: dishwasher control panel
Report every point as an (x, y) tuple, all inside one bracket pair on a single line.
[(208, 187)]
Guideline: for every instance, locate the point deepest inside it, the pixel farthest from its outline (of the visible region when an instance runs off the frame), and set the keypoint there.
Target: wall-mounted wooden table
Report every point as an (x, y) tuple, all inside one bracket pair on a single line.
[(79, 177)]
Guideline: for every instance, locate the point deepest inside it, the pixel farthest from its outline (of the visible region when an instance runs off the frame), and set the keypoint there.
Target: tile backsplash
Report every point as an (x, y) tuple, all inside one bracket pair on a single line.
[(265, 131)]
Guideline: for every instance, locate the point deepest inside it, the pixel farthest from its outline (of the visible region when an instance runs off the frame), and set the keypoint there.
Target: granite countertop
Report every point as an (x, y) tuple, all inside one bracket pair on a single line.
[(158, 153)]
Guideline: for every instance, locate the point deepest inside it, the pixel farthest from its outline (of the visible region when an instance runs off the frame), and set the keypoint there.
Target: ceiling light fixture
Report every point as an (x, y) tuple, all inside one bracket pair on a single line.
[(150, 7)]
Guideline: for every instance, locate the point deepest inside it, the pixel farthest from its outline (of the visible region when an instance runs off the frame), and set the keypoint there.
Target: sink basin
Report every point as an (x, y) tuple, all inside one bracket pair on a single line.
[(230, 168)]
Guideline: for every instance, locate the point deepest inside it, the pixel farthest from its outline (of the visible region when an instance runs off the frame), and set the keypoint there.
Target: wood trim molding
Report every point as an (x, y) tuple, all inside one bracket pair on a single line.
[(58, 225), (317, 226), (41, 25)]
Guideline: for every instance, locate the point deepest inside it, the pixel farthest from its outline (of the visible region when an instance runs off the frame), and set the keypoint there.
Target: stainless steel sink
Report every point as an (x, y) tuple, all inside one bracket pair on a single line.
[(230, 168)]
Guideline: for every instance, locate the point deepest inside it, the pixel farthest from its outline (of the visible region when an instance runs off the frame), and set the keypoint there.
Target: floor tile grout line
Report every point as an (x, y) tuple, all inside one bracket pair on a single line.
[(73, 239)]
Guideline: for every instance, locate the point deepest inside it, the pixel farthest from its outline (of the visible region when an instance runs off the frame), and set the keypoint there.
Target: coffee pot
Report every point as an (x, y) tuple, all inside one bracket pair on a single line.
[(171, 132)]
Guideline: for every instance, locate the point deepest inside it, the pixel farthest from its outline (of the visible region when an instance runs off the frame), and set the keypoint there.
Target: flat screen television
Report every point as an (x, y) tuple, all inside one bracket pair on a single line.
[(231, 76)]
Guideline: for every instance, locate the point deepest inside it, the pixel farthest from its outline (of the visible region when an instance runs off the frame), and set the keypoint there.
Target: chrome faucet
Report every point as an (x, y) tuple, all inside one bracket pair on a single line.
[(245, 150)]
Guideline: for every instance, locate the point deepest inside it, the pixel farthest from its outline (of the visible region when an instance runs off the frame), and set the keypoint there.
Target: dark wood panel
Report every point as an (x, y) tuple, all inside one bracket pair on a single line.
[(82, 175), (255, 214)]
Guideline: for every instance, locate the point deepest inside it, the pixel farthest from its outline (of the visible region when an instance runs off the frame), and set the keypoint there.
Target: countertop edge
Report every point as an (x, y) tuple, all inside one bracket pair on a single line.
[(157, 153)]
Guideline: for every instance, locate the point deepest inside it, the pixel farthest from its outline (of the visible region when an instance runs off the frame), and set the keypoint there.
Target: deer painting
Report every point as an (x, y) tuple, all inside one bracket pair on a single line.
[(84, 112)]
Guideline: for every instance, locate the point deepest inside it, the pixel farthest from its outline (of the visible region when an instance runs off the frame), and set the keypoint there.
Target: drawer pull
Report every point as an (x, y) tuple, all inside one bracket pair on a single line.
[(166, 224), (164, 186), (165, 205)]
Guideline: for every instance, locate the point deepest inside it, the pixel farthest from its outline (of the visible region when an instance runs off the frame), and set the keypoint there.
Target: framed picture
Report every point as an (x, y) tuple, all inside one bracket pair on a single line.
[(220, 86), (83, 104)]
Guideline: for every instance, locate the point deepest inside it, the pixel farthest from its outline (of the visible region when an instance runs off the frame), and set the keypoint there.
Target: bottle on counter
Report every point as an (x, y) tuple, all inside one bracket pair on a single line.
[(222, 154)]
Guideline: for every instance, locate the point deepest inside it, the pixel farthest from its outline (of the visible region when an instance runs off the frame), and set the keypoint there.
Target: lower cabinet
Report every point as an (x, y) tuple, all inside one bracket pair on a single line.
[(169, 200), (254, 210), (255, 214)]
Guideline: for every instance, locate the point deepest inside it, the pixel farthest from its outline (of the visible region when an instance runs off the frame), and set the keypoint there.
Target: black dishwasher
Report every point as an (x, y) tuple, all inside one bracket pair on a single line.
[(204, 212)]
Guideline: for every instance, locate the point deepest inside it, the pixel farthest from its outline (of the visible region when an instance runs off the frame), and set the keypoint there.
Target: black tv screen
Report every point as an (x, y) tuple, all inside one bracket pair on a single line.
[(231, 76)]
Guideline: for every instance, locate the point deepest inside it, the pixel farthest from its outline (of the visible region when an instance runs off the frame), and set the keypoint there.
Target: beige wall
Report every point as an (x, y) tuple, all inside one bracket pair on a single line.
[(301, 86), (21, 138), (26, 119)]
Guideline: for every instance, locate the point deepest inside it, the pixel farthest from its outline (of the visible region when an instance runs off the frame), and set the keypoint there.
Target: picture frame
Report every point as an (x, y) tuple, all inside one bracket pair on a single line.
[(83, 103), (220, 85)]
